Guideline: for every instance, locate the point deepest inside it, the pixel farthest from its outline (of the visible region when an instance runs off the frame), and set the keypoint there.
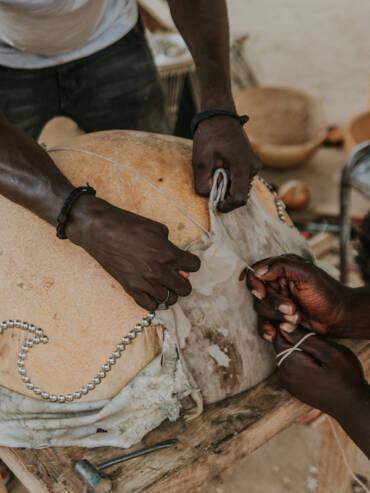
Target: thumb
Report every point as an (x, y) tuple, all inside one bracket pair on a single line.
[(291, 267), (238, 192), (202, 181)]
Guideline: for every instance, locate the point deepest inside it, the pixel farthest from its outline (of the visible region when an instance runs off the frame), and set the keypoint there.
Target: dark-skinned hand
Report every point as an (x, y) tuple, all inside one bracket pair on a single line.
[(292, 290), (134, 250), (324, 374), (219, 142)]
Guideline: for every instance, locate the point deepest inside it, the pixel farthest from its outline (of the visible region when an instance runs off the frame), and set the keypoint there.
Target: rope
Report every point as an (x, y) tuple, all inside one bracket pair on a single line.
[(287, 352), (345, 460), (138, 177), (219, 187)]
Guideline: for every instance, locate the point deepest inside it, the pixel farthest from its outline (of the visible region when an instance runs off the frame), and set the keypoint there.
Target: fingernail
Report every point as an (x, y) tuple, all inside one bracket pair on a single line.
[(257, 294), (261, 271), (287, 327), (292, 318), (286, 308), (267, 337)]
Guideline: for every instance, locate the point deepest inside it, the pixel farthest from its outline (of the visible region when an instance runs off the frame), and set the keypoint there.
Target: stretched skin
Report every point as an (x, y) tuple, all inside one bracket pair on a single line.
[(56, 285)]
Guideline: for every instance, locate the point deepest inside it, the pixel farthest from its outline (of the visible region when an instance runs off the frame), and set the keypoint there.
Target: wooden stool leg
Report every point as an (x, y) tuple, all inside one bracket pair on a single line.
[(334, 476)]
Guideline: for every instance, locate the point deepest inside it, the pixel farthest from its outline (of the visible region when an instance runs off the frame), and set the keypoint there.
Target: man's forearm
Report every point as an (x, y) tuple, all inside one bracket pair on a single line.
[(205, 29), (355, 419), (28, 176), (358, 322)]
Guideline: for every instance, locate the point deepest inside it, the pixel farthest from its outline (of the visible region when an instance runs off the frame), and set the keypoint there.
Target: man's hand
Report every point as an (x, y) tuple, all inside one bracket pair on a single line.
[(324, 374), (292, 290), (329, 377), (221, 142), (134, 250)]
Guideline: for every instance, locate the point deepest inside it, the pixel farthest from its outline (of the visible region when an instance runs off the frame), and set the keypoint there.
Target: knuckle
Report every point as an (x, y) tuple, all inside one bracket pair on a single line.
[(151, 305), (259, 307), (164, 230), (173, 299), (201, 187), (136, 285), (160, 293), (155, 273), (194, 262), (144, 302), (185, 289)]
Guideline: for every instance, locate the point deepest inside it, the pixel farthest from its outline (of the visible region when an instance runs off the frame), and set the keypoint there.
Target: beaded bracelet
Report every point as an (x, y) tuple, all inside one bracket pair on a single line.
[(204, 115), (67, 206)]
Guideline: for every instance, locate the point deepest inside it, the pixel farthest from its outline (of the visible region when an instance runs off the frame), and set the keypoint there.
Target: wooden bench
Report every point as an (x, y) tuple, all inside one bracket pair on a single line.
[(224, 433)]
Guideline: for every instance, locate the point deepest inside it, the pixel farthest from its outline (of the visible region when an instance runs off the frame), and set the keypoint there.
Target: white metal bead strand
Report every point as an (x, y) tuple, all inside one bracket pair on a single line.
[(38, 336), (279, 204)]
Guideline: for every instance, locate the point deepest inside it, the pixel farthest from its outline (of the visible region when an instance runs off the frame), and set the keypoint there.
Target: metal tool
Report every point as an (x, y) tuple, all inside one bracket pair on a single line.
[(99, 483), (356, 174)]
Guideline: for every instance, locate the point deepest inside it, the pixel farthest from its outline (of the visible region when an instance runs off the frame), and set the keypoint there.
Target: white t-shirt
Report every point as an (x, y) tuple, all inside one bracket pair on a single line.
[(43, 33)]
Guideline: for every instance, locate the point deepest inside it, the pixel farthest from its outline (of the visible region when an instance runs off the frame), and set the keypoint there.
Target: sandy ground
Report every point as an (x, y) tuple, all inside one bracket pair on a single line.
[(323, 47), (320, 46)]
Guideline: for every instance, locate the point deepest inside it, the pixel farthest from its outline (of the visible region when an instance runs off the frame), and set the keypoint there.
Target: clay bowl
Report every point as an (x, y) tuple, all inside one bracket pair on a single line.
[(357, 131), (286, 126)]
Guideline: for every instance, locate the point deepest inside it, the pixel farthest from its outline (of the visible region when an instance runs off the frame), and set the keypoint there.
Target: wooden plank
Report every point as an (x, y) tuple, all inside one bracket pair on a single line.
[(224, 433), (334, 477), (27, 475)]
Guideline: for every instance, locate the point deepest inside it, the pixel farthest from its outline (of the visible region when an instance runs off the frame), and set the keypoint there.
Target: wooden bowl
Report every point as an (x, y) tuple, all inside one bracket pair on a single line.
[(286, 126), (357, 131)]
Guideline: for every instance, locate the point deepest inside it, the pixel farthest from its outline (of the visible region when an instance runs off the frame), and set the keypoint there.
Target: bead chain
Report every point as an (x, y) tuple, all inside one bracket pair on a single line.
[(38, 337), (279, 204)]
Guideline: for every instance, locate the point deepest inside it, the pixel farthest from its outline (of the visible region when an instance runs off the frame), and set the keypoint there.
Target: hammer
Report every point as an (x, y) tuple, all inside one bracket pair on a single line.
[(98, 483)]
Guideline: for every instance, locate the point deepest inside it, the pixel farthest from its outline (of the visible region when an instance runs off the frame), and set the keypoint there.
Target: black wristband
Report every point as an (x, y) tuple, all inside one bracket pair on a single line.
[(67, 206), (204, 115)]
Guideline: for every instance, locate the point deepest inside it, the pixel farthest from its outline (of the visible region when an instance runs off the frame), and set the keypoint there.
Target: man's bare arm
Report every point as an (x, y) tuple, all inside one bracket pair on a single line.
[(220, 140), (125, 244), (205, 28), (28, 176)]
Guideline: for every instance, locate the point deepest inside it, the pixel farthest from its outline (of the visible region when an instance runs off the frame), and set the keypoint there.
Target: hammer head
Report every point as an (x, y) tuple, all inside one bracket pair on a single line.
[(92, 478)]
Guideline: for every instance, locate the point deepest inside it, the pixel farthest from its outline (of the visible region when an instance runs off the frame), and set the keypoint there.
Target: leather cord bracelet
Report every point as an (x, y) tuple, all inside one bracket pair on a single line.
[(67, 206), (204, 115)]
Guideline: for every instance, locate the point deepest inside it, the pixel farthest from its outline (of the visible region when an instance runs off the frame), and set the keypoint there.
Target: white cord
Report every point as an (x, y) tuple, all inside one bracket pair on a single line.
[(345, 460), (138, 177), (219, 187), (287, 352)]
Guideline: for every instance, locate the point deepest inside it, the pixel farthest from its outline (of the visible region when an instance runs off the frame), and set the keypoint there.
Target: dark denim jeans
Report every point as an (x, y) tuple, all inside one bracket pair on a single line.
[(115, 88)]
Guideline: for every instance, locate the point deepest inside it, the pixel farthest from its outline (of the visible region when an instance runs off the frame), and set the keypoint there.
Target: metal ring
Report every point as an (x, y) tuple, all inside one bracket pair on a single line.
[(162, 305)]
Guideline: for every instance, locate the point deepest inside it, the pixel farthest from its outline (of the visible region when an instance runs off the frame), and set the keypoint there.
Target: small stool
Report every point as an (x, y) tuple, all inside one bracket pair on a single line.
[(356, 174)]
